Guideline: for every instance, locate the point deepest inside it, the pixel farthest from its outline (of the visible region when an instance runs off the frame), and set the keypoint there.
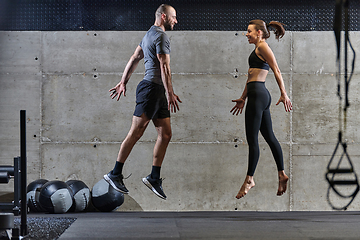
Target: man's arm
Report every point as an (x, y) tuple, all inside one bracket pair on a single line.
[(172, 98), (129, 69)]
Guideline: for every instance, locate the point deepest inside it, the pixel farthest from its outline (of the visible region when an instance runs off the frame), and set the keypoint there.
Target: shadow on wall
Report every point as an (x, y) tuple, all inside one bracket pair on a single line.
[(130, 204)]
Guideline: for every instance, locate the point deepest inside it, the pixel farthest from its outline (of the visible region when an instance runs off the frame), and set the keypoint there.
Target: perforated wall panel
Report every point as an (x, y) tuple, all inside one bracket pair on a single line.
[(193, 15)]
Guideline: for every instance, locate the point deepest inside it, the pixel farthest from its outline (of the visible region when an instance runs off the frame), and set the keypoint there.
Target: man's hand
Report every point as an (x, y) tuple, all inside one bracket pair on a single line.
[(119, 89), (173, 102)]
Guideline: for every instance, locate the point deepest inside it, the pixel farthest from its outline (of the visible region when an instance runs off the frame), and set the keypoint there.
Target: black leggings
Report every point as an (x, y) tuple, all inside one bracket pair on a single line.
[(257, 117)]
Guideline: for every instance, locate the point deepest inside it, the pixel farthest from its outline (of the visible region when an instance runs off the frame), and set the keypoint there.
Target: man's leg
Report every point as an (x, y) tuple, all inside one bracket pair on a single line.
[(163, 128), (137, 129), (115, 177), (153, 181)]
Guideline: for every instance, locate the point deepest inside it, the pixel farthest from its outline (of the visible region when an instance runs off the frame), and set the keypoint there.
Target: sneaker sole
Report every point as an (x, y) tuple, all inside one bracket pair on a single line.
[(113, 185), (148, 184)]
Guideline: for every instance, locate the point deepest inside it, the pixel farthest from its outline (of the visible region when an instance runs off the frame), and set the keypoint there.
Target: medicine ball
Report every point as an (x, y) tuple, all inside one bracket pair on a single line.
[(32, 195), (105, 198), (81, 195), (56, 197)]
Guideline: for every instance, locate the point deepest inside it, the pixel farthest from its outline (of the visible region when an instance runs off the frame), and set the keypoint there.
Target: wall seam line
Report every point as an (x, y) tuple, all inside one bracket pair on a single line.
[(291, 197), (40, 104)]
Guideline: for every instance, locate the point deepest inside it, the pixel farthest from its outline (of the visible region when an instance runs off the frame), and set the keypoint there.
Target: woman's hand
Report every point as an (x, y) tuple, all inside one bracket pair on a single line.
[(240, 103), (286, 101)]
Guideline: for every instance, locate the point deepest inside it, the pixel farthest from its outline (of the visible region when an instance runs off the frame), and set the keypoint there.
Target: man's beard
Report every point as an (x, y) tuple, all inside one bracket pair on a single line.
[(167, 26)]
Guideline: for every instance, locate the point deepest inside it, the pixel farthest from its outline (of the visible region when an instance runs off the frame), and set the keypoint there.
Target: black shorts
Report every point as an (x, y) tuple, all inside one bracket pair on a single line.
[(151, 100)]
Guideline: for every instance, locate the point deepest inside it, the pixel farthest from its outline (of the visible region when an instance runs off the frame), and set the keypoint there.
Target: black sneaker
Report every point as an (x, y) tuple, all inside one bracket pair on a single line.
[(155, 186), (116, 181)]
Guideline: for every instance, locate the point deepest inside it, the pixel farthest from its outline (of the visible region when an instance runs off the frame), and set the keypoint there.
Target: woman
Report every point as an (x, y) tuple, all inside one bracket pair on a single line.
[(257, 113)]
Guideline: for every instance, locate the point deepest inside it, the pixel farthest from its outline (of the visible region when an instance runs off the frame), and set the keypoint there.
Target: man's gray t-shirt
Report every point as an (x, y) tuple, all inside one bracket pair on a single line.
[(154, 42)]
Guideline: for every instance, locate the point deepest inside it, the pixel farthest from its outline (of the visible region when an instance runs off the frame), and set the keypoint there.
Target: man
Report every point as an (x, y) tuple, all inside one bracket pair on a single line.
[(151, 102)]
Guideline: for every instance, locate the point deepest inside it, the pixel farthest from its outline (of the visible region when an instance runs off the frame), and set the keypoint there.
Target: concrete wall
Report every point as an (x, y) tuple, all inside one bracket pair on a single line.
[(75, 130)]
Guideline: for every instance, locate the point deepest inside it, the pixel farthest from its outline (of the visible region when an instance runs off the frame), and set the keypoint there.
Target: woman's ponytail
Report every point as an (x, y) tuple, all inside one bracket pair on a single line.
[(279, 30)]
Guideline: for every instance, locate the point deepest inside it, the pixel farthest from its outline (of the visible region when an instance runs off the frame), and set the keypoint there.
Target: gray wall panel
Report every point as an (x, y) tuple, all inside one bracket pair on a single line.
[(75, 129)]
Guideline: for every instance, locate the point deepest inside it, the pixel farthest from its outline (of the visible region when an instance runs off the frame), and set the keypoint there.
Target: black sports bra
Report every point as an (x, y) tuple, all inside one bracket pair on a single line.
[(256, 62)]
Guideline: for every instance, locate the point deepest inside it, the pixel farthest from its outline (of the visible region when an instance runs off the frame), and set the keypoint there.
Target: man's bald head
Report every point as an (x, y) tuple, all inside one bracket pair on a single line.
[(163, 9)]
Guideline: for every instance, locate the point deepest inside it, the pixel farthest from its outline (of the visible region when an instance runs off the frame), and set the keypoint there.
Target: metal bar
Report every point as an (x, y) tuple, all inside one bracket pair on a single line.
[(4, 177), (346, 10), (17, 183), (344, 182), (6, 206), (9, 169), (341, 170), (23, 226)]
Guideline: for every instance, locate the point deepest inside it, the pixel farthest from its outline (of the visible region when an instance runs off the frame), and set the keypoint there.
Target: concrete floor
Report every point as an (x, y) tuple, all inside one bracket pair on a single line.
[(213, 225)]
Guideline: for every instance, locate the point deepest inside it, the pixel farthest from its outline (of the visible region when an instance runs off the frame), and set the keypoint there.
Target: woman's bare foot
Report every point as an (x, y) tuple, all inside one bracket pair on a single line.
[(247, 185), (283, 179)]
